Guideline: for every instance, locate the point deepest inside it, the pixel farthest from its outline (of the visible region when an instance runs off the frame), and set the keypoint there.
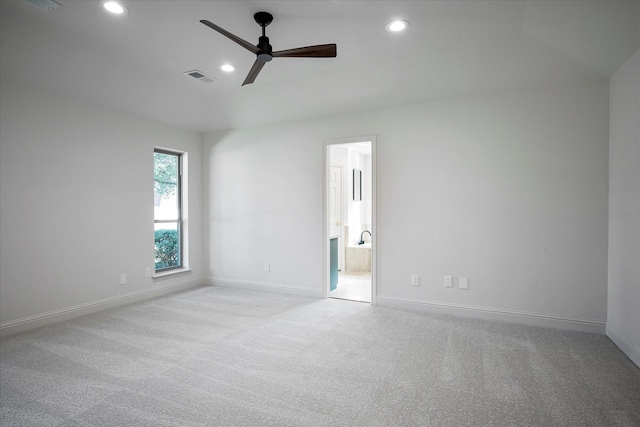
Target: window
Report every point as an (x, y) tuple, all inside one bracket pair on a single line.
[(167, 176)]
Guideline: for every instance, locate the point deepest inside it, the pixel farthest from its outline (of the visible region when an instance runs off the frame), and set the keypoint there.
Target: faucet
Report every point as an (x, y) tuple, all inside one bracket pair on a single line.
[(361, 242)]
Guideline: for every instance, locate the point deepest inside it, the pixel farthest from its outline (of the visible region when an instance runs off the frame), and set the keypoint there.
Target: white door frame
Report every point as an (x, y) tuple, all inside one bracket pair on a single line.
[(325, 204)]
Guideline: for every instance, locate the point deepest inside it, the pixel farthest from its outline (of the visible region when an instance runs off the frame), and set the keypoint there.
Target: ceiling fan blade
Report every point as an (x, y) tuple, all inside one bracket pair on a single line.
[(253, 72), (241, 42), (319, 51)]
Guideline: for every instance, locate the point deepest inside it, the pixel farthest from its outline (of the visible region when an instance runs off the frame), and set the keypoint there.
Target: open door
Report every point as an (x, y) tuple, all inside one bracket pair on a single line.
[(349, 220)]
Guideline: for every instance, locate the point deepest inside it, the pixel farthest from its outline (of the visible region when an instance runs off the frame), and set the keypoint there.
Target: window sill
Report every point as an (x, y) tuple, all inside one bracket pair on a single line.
[(170, 274)]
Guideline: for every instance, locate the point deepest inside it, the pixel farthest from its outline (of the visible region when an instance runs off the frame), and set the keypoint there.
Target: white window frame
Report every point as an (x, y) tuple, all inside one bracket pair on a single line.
[(180, 221)]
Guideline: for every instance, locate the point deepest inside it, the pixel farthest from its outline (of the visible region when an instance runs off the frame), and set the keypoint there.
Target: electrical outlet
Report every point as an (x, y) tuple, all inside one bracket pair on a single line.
[(448, 281), (123, 279), (415, 280), (267, 267), (464, 283), (147, 272)]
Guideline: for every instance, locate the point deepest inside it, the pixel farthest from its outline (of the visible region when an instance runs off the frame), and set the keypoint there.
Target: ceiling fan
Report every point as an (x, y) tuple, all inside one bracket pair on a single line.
[(263, 50)]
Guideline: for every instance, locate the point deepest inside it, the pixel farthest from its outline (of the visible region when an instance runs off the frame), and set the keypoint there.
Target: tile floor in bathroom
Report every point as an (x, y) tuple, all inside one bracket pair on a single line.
[(353, 286)]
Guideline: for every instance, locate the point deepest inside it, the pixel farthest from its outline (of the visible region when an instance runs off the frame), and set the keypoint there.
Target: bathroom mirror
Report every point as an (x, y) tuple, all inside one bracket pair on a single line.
[(357, 185)]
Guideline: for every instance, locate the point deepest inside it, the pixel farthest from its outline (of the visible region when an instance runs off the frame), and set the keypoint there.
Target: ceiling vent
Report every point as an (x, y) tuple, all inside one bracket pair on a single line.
[(44, 5), (199, 75)]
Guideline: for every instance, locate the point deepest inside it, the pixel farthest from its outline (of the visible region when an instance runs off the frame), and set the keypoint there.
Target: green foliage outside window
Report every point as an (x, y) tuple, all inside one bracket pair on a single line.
[(167, 251), (165, 174)]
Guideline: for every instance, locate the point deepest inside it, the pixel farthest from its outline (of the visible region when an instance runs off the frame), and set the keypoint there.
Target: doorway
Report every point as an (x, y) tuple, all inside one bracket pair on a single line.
[(350, 229)]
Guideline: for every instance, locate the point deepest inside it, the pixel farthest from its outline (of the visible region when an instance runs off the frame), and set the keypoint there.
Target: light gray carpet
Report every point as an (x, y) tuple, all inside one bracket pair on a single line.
[(220, 356)]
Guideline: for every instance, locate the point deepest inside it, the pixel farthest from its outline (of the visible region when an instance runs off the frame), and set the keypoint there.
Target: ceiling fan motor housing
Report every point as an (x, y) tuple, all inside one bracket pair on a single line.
[(265, 49)]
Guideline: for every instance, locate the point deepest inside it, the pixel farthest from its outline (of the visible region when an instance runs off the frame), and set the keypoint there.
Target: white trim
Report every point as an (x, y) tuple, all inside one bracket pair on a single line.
[(262, 286), (374, 221), (496, 314), (325, 224), (324, 290), (164, 275), (55, 316), (632, 351)]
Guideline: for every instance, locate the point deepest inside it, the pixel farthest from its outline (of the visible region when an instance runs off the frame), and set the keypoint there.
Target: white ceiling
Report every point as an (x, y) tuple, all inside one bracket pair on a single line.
[(135, 63)]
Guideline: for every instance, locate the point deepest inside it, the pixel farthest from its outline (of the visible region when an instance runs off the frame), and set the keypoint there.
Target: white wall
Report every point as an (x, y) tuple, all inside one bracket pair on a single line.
[(264, 204), (509, 190), (367, 188), (623, 314), (359, 218), (77, 204)]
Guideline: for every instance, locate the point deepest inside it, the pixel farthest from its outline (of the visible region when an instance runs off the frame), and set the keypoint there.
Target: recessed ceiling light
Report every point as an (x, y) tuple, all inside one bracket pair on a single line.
[(397, 25), (227, 68), (115, 7)]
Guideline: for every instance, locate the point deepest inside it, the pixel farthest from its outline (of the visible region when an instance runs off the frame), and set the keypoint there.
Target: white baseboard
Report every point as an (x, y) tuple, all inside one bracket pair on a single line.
[(531, 319), (26, 323), (632, 351), (265, 287)]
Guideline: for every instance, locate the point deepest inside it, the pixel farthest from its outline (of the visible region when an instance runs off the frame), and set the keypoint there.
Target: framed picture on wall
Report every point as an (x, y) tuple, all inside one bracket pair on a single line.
[(357, 185)]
